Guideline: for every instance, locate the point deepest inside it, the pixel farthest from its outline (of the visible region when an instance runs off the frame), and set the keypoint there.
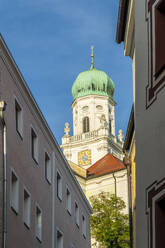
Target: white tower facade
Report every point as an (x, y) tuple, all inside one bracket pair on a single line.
[(93, 120)]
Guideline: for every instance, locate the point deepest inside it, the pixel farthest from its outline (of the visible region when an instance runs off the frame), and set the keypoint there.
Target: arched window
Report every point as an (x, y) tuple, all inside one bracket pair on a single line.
[(86, 124)]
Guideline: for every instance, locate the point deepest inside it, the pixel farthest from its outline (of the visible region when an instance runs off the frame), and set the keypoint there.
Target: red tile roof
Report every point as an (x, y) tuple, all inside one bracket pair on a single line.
[(105, 165)]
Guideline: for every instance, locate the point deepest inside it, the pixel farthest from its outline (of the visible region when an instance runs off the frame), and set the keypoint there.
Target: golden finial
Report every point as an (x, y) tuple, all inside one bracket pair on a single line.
[(92, 54)]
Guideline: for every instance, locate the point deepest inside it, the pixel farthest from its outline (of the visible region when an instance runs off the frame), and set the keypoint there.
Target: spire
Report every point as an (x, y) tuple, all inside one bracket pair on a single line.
[(92, 65)]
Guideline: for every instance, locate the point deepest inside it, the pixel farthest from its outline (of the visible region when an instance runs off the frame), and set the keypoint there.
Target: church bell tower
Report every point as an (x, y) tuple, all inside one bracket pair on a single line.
[(93, 119)]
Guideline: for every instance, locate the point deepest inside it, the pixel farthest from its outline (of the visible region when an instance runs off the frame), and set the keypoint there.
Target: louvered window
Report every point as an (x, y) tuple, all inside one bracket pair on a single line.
[(86, 124)]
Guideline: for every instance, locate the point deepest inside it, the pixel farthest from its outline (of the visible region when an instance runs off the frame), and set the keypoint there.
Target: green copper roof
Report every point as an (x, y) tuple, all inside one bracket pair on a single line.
[(93, 82)]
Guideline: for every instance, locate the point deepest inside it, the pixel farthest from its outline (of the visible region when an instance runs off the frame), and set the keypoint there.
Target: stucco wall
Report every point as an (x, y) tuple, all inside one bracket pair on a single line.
[(150, 125)]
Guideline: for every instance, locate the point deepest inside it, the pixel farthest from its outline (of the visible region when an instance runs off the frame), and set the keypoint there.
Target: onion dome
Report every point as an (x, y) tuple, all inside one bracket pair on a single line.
[(93, 82)]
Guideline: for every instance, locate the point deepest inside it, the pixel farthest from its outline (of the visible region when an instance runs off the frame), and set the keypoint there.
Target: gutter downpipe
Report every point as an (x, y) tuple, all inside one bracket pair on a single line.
[(4, 225), (115, 184)]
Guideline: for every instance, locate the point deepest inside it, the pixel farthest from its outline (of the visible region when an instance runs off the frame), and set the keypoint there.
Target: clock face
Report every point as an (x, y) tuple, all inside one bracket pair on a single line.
[(84, 157)]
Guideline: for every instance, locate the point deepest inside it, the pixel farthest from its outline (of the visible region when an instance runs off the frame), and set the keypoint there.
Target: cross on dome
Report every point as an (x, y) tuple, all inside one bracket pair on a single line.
[(92, 55)]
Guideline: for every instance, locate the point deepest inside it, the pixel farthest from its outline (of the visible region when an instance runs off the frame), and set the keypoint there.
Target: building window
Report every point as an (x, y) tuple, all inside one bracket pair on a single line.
[(155, 209), (59, 239), (59, 186), (83, 226), (47, 168), (86, 124), (160, 222), (68, 200), (156, 58), (77, 214), (159, 37), (34, 146), (14, 192), (38, 223), (26, 208), (18, 119)]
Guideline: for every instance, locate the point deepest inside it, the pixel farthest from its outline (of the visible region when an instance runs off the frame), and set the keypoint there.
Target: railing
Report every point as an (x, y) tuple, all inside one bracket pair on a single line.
[(88, 136), (84, 136)]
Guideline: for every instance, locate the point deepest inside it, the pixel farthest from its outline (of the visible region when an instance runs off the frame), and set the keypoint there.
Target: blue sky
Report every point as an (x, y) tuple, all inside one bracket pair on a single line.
[(50, 41)]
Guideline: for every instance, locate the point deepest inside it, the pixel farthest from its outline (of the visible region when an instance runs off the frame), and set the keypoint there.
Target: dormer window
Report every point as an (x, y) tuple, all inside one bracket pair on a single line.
[(86, 124)]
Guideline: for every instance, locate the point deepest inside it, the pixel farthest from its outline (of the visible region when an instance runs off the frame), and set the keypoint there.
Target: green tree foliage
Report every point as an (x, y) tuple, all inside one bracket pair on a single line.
[(109, 225)]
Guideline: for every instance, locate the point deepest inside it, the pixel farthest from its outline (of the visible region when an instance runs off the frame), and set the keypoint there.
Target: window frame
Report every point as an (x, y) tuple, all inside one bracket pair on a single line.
[(62, 235), (76, 206), (59, 193), (68, 201), (38, 237), (19, 130), (155, 193), (159, 21), (84, 231), (155, 17), (25, 222), (48, 178), (34, 151), (86, 124), (14, 207)]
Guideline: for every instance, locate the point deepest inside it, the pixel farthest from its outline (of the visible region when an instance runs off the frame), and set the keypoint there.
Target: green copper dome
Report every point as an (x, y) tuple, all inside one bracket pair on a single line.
[(93, 82)]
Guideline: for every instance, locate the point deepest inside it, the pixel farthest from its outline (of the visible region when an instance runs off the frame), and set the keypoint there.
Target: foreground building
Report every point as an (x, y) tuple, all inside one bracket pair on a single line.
[(145, 34), (94, 152), (129, 161), (41, 202)]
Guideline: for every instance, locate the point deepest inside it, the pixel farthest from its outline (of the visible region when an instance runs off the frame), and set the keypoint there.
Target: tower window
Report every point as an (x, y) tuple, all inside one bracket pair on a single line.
[(86, 124)]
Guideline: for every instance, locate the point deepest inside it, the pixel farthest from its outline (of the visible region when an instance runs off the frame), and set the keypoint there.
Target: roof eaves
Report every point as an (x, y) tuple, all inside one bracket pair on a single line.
[(106, 173), (121, 23)]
